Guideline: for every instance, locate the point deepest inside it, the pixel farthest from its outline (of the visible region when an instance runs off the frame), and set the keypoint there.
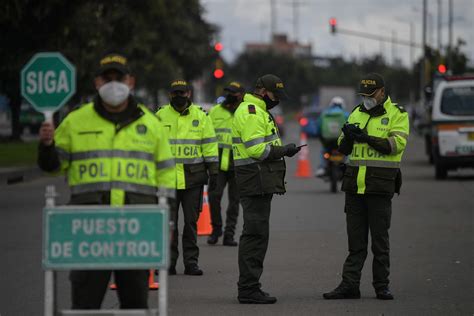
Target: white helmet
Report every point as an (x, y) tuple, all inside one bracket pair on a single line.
[(338, 101)]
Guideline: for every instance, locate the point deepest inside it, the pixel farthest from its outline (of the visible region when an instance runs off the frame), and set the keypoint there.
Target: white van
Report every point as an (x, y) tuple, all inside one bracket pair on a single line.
[(453, 126)]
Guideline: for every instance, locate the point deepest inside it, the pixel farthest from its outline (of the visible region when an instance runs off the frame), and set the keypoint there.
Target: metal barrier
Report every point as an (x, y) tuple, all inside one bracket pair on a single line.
[(102, 237)]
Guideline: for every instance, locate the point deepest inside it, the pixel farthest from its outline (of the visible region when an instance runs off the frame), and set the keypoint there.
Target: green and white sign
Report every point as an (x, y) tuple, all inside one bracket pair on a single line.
[(48, 81), (83, 237)]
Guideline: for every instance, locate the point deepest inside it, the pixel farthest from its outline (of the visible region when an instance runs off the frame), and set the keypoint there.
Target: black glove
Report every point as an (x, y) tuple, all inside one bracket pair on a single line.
[(361, 137), (350, 131), (278, 152), (212, 183), (291, 150)]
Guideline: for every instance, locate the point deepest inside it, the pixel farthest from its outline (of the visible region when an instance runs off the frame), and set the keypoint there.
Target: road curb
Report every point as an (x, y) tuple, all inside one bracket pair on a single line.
[(16, 175)]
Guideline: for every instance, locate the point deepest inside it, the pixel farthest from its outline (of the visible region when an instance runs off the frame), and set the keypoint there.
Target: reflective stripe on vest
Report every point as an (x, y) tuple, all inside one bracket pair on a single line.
[(193, 141), (109, 185), (255, 141), (115, 153), (374, 163), (245, 161)]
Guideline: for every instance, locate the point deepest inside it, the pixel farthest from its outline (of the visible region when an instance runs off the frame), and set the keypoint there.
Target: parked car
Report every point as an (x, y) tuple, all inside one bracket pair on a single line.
[(452, 126), (30, 118), (307, 121)]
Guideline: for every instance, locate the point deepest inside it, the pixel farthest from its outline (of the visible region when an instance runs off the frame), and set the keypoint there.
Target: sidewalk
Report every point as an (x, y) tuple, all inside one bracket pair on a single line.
[(12, 175)]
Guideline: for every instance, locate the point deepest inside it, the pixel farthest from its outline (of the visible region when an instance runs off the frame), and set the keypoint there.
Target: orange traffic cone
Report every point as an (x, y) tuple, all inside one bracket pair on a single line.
[(152, 285), (204, 223), (304, 167)]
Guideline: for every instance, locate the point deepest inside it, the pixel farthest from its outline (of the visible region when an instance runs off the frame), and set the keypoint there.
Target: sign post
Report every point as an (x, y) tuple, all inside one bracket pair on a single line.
[(48, 81)]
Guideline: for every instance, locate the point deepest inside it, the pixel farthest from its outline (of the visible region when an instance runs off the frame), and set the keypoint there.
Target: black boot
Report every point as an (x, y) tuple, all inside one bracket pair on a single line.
[(342, 292), (214, 237), (256, 297), (229, 241), (384, 294), (192, 269)]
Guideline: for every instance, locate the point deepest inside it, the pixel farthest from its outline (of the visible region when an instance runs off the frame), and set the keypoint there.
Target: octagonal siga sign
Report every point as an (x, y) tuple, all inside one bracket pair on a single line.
[(48, 81)]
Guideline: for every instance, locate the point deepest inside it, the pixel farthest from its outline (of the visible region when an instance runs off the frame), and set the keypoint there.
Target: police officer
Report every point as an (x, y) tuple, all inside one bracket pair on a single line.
[(260, 171), (222, 116), (375, 139), (194, 146), (114, 152)]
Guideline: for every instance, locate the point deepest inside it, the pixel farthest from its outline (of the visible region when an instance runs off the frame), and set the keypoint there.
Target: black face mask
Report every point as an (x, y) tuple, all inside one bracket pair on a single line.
[(179, 102), (269, 102), (230, 99)]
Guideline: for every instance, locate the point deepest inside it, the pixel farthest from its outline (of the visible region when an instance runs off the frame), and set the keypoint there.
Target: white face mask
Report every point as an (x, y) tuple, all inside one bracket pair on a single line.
[(369, 103), (114, 93)]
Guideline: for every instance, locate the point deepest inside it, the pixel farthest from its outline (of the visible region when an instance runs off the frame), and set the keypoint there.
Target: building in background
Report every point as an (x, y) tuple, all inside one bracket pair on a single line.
[(281, 45)]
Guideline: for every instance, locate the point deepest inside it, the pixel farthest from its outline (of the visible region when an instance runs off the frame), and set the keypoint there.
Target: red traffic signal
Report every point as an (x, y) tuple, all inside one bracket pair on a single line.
[(218, 46), (333, 24), (442, 68), (218, 73)]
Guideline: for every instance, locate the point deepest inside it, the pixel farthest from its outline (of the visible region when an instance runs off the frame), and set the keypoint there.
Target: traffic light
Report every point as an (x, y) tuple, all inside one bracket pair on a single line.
[(442, 68), (218, 70), (332, 25), (218, 73), (218, 46)]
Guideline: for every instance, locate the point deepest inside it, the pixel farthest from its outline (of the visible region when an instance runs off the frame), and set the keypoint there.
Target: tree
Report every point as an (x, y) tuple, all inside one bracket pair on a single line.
[(163, 39), (297, 74)]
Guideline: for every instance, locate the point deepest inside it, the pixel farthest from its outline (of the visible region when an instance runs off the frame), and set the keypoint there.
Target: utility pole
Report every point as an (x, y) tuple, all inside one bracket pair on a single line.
[(394, 47), (295, 4), (272, 19), (423, 59), (450, 36), (439, 26), (412, 41)]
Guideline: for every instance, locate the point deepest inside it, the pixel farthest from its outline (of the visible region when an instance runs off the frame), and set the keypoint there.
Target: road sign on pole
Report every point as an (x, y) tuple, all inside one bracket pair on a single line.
[(48, 81)]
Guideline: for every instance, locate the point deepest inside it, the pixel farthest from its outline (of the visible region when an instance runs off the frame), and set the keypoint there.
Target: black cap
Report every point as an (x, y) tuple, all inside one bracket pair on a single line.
[(235, 87), (115, 62), (179, 85), (369, 83), (273, 84)]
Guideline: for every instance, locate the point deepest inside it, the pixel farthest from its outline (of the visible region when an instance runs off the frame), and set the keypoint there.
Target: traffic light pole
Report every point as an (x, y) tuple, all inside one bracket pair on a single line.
[(376, 37)]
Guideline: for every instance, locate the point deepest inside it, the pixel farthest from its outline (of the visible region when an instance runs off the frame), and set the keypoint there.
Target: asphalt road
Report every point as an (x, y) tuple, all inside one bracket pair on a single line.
[(432, 245)]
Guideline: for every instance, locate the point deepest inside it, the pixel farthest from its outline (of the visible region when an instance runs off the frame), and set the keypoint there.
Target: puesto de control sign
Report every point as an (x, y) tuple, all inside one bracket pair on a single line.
[(76, 237)]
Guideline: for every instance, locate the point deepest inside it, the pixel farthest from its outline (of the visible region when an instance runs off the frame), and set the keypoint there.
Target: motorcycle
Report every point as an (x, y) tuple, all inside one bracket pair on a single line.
[(334, 172)]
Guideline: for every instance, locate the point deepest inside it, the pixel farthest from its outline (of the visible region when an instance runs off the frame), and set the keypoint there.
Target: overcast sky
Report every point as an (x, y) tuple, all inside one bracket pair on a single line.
[(242, 21)]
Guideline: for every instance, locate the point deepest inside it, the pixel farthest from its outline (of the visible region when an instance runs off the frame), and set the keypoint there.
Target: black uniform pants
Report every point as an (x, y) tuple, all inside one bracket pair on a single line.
[(253, 241), (89, 287), (215, 198), (191, 201), (364, 213)]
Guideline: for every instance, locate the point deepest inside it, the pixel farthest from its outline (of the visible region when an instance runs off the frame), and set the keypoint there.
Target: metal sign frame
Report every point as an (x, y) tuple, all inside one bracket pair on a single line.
[(50, 300)]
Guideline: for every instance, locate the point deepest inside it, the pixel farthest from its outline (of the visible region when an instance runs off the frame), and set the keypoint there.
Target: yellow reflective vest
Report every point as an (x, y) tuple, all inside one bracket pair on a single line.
[(222, 122), (253, 132), (99, 155), (193, 144), (368, 170)]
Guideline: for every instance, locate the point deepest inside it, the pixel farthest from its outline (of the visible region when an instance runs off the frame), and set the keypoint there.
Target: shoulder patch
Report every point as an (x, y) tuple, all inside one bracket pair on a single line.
[(252, 109)]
